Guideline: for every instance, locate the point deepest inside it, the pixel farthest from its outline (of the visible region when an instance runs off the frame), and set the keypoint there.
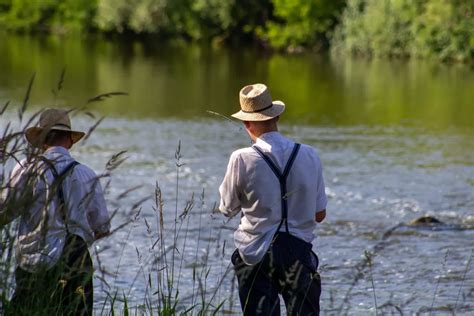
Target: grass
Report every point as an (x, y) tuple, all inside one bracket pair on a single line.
[(161, 266)]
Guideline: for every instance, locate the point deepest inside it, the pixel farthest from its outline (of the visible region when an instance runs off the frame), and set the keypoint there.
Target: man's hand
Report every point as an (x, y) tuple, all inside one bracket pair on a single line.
[(99, 235), (320, 216)]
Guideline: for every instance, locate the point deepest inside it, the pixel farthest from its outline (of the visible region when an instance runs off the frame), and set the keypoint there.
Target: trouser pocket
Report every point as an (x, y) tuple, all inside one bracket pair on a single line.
[(235, 258), (300, 250), (314, 261)]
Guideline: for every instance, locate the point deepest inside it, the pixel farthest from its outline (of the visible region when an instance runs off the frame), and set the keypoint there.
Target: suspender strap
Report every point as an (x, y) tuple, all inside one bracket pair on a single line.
[(282, 179), (58, 181)]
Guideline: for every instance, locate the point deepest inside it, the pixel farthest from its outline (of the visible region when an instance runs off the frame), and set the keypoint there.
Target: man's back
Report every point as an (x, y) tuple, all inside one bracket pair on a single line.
[(42, 230), (257, 193), (62, 211), (278, 185)]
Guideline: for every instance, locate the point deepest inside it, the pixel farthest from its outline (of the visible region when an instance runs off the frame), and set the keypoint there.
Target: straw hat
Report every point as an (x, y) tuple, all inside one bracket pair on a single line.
[(256, 104), (51, 120)]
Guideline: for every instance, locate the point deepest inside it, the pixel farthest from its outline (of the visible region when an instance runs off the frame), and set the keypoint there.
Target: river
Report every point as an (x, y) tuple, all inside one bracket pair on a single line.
[(395, 138)]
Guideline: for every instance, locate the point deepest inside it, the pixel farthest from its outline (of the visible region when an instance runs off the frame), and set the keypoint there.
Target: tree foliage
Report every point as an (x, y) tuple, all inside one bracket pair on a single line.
[(47, 15), (194, 19), (301, 23), (424, 28), (421, 28)]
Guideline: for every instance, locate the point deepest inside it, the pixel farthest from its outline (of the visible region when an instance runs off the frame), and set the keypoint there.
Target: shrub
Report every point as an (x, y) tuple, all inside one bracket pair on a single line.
[(301, 23), (421, 28), (48, 15)]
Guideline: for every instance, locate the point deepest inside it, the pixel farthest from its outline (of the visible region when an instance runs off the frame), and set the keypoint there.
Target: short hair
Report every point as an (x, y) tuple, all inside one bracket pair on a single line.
[(54, 136), (268, 122)]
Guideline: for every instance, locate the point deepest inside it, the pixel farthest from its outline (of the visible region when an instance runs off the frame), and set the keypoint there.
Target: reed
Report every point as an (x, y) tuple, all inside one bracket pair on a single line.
[(13, 149), (160, 266), (468, 264), (161, 263)]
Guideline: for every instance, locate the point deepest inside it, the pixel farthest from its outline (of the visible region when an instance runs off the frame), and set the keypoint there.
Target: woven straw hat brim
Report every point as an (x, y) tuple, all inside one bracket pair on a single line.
[(35, 135), (275, 110)]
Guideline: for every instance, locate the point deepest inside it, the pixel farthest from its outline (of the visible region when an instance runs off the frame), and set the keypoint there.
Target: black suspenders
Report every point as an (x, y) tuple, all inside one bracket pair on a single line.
[(58, 181), (282, 179)]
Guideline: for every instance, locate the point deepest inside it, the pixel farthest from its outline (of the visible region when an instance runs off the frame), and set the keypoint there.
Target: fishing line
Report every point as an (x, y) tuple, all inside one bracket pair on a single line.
[(239, 126)]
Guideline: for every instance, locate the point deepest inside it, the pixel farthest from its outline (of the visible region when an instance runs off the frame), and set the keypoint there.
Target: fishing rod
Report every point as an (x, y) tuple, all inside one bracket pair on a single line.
[(222, 116)]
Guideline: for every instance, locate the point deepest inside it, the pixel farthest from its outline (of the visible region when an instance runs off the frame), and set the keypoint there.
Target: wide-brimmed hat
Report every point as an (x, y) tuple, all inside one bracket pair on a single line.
[(51, 120), (256, 104)]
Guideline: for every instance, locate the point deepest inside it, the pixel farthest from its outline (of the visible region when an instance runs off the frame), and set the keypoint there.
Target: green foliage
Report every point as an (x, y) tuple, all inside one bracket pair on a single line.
[(301, 22), (445, 29), (147, 16), (422, 28), (246, 17), (282, 23), (194, 19), (48, 15)]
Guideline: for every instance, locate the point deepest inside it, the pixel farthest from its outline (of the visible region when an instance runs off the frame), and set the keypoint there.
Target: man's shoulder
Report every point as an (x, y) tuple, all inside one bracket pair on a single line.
[(242, 156), (308, 148), (85, 171), (27, 167), (309, 151), (242, 152)]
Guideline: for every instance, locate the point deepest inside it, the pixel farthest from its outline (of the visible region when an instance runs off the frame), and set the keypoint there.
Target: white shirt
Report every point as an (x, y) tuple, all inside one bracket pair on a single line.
[(251, 186), (85, 204)]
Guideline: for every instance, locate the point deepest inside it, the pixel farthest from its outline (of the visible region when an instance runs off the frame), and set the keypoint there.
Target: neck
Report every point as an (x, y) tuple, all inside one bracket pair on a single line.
[(47, 147), (260, 133), (256, 130)]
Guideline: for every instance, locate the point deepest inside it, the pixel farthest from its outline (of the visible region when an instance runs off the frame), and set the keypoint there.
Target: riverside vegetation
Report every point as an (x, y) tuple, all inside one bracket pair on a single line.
[(443, 29), (160, 263)]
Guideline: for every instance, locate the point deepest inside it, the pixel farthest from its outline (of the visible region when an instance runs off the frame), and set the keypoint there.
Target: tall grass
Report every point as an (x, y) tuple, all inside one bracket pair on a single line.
[(162, 262), (363, 271)]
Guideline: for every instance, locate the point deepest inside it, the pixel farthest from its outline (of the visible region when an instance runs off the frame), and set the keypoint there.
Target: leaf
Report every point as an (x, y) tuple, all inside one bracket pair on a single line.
[(27, 96), (90, 114), (60, 83), (103, 96), (61, 80), (125, 307), (116, 160), (217, 309), (93, 128), (4, 108), (126, 192)]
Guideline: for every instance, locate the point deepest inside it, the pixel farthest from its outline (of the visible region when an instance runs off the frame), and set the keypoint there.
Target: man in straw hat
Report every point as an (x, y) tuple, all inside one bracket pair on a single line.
[(62, 211), (278, 185)]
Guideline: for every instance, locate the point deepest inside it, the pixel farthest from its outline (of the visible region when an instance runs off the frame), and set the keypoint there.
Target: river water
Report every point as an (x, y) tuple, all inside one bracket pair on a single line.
[(395, 139)]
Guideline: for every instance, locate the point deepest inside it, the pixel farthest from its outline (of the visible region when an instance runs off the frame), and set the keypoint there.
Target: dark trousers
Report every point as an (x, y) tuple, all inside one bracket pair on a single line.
[(289, 268), (65, 289)]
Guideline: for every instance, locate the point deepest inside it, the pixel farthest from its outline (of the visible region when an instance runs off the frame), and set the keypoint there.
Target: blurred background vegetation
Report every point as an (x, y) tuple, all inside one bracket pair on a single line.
[(441, 29)]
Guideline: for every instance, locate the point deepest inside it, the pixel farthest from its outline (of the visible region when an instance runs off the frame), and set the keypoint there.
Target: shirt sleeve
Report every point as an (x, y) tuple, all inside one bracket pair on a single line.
[(16, 191), (94, 201), (98, 215), (321, 201), (229, 189)]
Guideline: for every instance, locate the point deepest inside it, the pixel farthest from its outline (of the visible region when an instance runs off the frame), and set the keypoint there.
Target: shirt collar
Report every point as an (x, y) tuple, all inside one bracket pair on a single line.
[(57, 151), (266, 140)]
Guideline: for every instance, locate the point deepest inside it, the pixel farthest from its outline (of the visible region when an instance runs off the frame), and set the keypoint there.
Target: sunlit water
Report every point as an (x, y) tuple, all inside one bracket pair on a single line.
[(395, 140)]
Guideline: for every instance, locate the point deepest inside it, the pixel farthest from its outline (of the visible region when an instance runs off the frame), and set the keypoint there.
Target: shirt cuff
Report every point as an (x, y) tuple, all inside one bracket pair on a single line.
[(229, 212), (102, 229)]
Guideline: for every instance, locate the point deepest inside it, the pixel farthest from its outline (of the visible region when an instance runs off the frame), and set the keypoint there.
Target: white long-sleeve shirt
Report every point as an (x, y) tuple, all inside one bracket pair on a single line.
[(250, 186), (42, 231)]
